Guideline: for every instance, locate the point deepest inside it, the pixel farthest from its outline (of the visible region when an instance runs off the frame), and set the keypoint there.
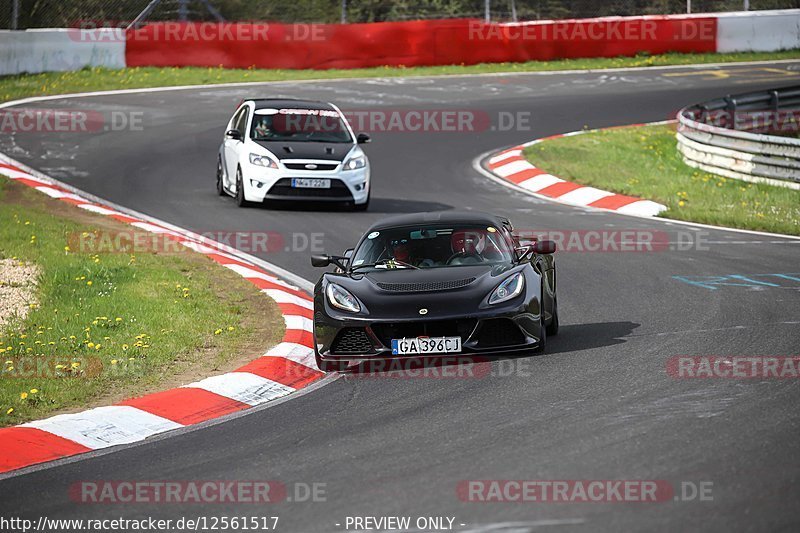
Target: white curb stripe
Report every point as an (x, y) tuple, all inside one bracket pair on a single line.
[(512, 168), (243, 387), (105, 426), (250, 273), (283, 297), (299, 322), (295, 352), (55, 193), (100, 210), (542, 181), (584, 196), (642, 208), (505, 155), (17, 174)]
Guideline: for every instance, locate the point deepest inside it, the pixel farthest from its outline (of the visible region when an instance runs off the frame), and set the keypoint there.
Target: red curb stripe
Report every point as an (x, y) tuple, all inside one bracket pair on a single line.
[(23, 446), (31, 182), (222, 260), (614, 201), (523, 175), (294, 309), (283, 371), (186, 405), (11, 167), (559, 189), (299, 336)]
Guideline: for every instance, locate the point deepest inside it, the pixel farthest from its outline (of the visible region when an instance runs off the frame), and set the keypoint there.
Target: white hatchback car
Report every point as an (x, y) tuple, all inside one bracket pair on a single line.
[(299, 150)]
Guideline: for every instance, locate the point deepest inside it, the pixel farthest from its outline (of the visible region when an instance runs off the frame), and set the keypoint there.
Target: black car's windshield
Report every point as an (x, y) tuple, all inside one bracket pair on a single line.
[(299, 125), (432, 246)]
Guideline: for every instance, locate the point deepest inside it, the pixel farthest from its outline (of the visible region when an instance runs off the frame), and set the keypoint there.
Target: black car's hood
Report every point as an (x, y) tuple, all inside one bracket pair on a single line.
[(307, 150), (401, 293)]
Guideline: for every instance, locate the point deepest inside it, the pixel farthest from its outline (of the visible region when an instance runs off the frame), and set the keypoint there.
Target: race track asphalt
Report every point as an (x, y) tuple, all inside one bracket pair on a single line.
[(598, 405)]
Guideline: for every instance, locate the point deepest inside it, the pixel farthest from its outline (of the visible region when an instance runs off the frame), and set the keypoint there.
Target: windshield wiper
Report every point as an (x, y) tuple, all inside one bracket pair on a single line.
[(383, 262)]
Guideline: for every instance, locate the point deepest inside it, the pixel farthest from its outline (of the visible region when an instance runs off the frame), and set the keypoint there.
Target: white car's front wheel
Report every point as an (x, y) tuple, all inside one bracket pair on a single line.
[(220, 183), (240, 199)]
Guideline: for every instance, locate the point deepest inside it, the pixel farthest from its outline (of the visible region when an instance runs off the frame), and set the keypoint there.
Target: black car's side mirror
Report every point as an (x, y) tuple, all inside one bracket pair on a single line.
[(363, 138), (322, 260), (523, 252), (234, 134), (544, 247)]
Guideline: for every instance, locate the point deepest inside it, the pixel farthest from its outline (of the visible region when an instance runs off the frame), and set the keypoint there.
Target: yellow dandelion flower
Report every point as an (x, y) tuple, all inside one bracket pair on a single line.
[(89, 283), (34, 391), (10, 410), (217, 332), (23, 395)]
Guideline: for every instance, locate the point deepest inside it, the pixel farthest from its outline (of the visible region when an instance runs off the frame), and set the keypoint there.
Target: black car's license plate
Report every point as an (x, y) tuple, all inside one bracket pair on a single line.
[(426, 345)]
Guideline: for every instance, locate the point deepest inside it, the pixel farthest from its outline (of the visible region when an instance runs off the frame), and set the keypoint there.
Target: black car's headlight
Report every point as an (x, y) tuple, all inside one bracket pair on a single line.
[(341, 298), (508, 289)]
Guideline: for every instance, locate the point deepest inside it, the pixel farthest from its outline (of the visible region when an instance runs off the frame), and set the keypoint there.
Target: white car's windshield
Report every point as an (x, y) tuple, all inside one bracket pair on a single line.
[(299, 125), (432, 246)]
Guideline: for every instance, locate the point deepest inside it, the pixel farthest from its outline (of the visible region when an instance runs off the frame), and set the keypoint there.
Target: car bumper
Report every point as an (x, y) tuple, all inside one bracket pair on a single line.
[(486, 333), (264, 184)]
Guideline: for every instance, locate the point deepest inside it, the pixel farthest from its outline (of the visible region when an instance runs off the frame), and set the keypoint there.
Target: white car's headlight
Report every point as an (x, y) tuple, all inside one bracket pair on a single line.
[(262, 161), (356, 162), (509, 288), (341, 298)]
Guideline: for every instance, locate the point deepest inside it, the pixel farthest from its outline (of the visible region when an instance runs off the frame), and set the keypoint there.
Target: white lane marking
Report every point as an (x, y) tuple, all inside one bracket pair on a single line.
[(512, 168), (243, 387), (542, 181), (299, 322), (584, 196), (105, 426), (283, 297)]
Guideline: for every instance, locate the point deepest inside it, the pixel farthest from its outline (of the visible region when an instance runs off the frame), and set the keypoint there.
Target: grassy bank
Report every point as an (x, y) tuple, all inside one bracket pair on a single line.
[(108, 326), (644, 162), (20, 86)]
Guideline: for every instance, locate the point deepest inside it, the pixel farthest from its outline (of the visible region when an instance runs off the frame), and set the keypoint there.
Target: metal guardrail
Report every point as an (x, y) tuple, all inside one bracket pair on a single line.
[(724, 136)]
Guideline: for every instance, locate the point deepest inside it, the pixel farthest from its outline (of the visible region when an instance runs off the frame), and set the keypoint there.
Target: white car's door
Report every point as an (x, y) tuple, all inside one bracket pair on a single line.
[(233, 146)]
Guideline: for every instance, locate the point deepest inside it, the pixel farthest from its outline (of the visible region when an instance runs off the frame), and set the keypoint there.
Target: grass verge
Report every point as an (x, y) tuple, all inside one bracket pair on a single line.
[(110, 326), (644, 161), (97, 79)]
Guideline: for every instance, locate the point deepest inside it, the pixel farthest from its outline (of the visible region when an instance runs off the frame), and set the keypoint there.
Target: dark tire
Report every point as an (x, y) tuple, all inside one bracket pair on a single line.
[(552, 329), (330, 366), (542, 329), (240, 201), (220, 186)]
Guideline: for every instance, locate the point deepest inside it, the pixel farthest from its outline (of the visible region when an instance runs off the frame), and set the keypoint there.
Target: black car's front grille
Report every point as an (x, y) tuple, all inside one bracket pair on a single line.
[(317, 166), (283, 187), (435, 328), (497, 332), (352, 341), (426, 286)]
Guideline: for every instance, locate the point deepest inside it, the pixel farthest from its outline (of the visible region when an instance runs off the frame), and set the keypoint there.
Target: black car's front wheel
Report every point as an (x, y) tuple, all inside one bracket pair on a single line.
[(552, 328)]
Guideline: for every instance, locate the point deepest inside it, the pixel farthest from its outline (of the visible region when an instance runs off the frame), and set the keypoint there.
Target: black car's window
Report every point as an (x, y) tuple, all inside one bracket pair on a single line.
[(299, 125), (433, 246)]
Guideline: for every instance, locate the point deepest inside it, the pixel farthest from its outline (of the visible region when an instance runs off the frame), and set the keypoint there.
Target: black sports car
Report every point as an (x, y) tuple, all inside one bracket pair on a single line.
[(433, 285)]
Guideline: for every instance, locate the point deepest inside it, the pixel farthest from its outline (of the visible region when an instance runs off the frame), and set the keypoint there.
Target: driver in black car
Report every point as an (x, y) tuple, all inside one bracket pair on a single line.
[(467, 247)]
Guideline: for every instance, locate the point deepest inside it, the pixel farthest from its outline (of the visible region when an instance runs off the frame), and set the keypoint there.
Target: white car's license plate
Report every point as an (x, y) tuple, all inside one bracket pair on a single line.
[(426, 345), (311, 183)]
